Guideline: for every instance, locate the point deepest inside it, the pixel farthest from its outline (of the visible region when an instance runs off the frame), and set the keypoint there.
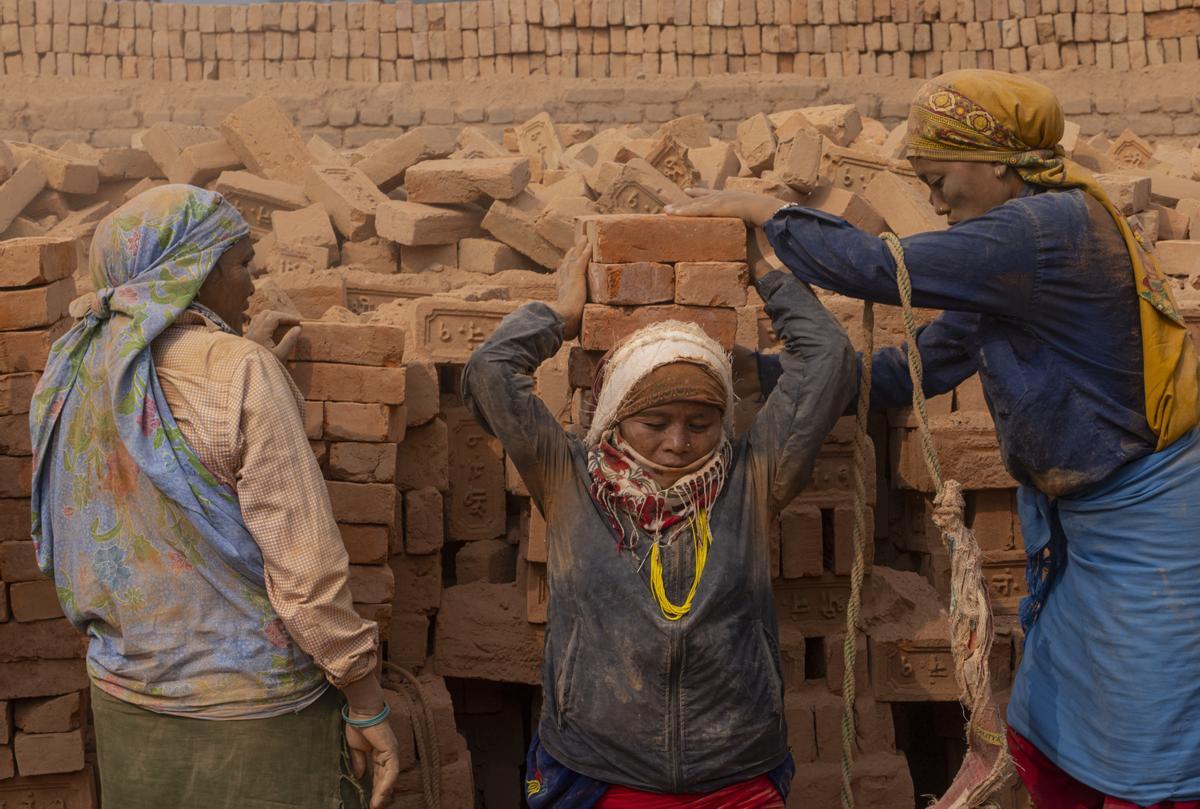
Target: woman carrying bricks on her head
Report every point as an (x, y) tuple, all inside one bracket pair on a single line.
[(180, 512), (662, 678), (1091, 378)]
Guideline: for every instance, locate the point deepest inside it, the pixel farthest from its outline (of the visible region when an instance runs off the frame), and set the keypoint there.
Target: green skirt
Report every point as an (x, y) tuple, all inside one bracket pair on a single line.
[(149, 760)]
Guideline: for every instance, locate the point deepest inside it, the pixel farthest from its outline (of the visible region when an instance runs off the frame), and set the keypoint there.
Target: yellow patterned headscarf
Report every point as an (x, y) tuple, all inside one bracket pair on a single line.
[(993, 117)]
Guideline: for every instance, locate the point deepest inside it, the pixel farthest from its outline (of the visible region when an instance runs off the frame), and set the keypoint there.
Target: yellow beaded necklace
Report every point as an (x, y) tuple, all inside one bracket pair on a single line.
[(701, 539)]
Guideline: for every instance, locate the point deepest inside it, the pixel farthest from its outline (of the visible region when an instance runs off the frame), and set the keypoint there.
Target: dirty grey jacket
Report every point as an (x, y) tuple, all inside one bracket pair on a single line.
[(629, 697)]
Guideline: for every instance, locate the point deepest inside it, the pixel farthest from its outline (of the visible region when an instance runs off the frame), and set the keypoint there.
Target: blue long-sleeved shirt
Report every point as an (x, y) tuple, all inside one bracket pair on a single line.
[(1040, 300)]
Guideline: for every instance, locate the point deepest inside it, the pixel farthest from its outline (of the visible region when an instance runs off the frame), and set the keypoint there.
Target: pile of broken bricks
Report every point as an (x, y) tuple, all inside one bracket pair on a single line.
[(401, 257)]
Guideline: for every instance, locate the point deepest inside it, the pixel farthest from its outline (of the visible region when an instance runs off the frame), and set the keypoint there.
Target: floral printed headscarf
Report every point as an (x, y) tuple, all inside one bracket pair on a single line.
[(148, 260)]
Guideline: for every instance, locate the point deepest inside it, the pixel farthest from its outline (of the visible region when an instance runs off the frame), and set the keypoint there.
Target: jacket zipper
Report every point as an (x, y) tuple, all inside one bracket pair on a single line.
[(674, 709)]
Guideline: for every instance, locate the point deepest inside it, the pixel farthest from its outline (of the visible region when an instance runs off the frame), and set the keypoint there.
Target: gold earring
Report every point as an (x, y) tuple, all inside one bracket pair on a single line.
[(1000, 172)]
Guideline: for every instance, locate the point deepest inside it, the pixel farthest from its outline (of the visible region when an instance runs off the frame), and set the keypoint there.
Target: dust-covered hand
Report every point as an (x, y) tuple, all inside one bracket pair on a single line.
[(378, 746), (262, 331), (572, 287), (753, 209)]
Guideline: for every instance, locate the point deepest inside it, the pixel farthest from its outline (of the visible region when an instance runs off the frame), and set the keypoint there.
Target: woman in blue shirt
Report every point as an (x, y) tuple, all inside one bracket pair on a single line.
[(1091, 379)]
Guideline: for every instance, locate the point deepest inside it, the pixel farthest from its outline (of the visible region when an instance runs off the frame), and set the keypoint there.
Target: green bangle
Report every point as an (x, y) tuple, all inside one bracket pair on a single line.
[(366, 723)]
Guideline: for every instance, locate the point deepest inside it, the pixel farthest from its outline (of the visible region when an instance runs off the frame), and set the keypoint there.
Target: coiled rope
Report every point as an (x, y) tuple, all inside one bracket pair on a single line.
[(424, 732)]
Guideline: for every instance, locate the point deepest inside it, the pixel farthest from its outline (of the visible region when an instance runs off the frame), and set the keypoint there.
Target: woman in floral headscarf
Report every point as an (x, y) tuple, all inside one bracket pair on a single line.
[(1091, 378), (214, 599), (662, 672)]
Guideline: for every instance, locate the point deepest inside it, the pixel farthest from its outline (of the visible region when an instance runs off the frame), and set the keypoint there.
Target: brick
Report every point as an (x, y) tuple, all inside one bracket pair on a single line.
[(373, 344), (366, 544), (41, 678), (637, 187), (691, 130), (349, 197), (798, 161), (361, 462), (715, 164), (669, 156), (482, 632), (460, 181), (711, 283), (16, 391), (201, 163), (19, 190), (369, 503), (992, 518), (629, 238), (514, 222), (309, 225), (47, 753), (447, 330), (261, 134), (372, 584), (902, 206), (413, 223), (538, 137), (841, 123), (50, 715), (386, 166), (631, 284), (756, 142), (488, 560), (422, 458), (849, 206), (1179, 257), (801, 543), (1128, 193), (476, 500), (372, 254), (429, 258), (15, 476), (52, 639), (337, 382), (314, 419), (68, 790), (34, 601), (408, 641), (14, 438), (65, 173), (422, 392), (423, 521), (605, 326), (35, 307), (36, 261), (165, 141), (488, 256), (312, 295), (355, 421), (17, 560)]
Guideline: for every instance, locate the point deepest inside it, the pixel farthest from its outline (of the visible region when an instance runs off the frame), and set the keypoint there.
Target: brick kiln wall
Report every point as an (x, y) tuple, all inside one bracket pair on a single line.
[(407, 42)]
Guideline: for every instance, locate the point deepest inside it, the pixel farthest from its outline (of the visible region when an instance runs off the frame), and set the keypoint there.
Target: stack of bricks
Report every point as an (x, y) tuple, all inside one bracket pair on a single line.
[(43, 701), (406, 42), (403, 255)]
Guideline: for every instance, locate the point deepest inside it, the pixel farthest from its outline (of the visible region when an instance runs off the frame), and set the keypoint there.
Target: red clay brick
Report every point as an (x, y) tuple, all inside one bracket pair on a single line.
[(260, 132), (628, 238), (46, 753), (459, 181), (365, 503), (35, 307), (50, 715), (633, 284), (362, 462), (711, 283), (336, 382), (34, 600), (36, 260), (605, 326), (423, 521), (372, 344), (366, 544), (355, 421), (422, 459)]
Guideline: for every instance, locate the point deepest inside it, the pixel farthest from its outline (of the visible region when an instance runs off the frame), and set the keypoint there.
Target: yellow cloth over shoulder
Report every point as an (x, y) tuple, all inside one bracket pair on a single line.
[(993, 117)]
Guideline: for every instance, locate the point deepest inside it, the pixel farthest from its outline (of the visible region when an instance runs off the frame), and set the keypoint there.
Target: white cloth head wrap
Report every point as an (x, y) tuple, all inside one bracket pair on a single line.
[(647, 349)]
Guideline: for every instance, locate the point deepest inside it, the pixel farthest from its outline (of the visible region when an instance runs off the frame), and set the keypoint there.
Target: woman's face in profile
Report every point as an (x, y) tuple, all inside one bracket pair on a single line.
[(961, 190)]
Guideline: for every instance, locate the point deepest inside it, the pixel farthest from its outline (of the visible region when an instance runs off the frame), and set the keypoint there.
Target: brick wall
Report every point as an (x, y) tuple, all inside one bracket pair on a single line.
[(371, 42), (1159, 103)]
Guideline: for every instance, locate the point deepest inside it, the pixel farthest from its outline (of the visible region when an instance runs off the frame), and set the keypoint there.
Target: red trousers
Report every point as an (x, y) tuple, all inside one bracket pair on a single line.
[(757, 793), (1051, 788)]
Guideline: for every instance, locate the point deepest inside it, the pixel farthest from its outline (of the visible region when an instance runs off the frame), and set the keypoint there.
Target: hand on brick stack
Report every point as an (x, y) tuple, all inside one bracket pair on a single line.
[(262, 331), (753, 208), (572, 287)]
